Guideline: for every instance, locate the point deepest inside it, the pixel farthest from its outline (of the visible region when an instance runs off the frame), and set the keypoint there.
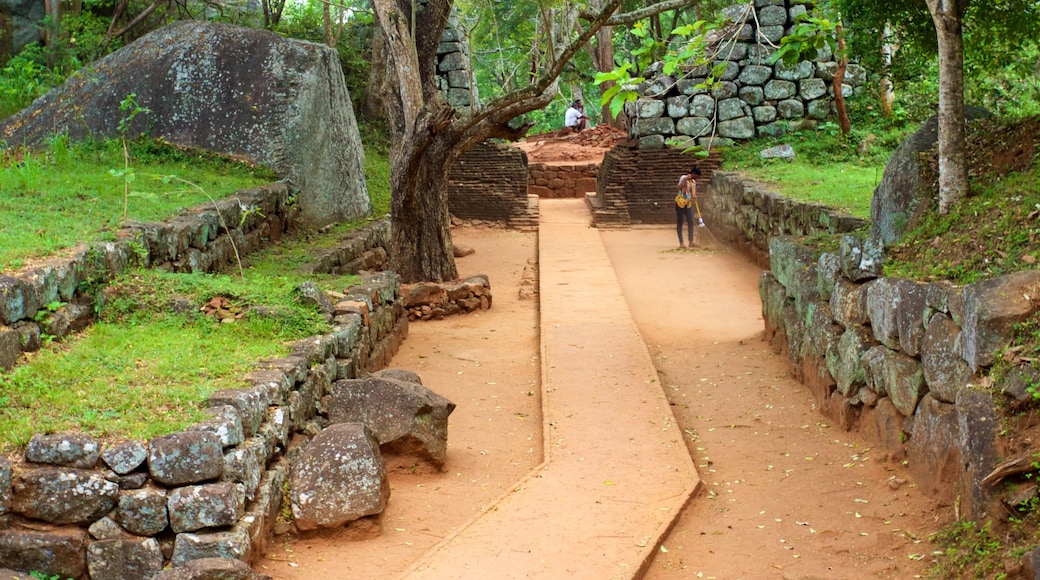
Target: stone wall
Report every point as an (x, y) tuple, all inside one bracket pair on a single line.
[(208, 238), (489, 183), (79, 508), (907, 363), (552, 181), (744, 214), (753, 99), (454, 72), (638, 186)]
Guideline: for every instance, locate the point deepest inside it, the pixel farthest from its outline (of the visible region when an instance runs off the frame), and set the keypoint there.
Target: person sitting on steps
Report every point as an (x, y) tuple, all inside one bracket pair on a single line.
[(575, 117)]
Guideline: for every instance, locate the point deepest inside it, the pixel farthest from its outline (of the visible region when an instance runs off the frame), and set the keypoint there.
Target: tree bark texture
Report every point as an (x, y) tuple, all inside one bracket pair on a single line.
[(953, 171), (427, 136), (889, 47), (839, 79)]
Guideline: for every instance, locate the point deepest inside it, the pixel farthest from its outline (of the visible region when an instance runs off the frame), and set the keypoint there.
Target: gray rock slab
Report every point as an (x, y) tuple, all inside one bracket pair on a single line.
[(339, 477), (184, 458), (63, 449), (124, 559), (123, 457), (60, 553), (60, 495), (299, 121), (196, 507)]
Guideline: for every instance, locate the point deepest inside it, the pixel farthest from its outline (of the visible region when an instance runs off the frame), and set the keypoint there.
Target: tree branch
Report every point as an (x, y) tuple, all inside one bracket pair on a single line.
[(636, 15)]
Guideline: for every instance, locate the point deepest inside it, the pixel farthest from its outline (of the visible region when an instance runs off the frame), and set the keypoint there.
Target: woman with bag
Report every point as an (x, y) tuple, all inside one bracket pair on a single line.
[(684, 205)]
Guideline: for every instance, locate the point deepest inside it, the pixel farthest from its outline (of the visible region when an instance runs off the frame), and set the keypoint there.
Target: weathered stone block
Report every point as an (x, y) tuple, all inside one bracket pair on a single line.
[(991, 309), (753, 96), (405, 417), (810, 89), (142, 511), (742, 128), (790, 109), (196, 507), (183, 458), (338, 478), (934, 451), (945, 372), (61, 553), (124, 559), (63, 495), (755, 75), (124, 456), (844, 362), (776, 90), (63, 449)]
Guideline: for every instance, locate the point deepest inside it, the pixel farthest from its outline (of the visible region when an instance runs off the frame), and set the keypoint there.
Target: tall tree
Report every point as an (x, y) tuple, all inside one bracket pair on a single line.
[(948, 16), (428, 136)]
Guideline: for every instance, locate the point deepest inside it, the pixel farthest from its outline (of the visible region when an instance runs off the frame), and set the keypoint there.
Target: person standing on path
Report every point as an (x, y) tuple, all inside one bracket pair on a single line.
[(684, 205)]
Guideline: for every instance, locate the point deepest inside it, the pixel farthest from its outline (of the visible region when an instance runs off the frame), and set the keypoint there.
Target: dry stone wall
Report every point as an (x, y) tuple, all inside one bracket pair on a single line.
[(906, 363), (129, 508), (754, 98), (489, 183), (208, 238), (745, 214)]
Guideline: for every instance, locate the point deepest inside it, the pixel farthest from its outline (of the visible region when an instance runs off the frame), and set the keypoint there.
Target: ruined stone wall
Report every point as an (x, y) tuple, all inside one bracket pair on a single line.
[(208, 238), (489, 183), (454, 71), (638, 186), (745, 214), (903, 362), (75, 507), (754, 98), (551, 181)]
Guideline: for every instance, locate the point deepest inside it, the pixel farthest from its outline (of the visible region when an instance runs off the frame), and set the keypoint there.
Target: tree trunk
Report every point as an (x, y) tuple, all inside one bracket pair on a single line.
[(372, 108), (420, 238), (839, 79), (953, 171), (889, 46)]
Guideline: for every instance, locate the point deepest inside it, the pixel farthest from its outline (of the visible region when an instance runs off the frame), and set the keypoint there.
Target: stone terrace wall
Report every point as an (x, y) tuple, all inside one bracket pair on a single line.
[(744, 214), (197, 241), (489, 183), (904, 363), (754, 97), (552, 181), (211, 491), (638, 186)]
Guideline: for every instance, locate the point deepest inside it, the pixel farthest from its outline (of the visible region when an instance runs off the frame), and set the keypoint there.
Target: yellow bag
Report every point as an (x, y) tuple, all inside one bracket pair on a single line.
[(682, 201)]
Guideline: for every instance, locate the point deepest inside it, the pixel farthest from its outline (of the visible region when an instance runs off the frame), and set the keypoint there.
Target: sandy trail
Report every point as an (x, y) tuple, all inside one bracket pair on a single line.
[(785, 494)]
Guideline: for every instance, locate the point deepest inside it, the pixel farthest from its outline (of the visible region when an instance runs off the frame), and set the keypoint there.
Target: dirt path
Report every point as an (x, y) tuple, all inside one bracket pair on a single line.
[(785, 494)]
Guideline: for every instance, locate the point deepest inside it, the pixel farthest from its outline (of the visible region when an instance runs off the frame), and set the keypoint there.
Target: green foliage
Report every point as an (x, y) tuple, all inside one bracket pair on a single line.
[(66, 195), (946, 247), (809, 37), (143, 369), (968, 550), (376, 140)]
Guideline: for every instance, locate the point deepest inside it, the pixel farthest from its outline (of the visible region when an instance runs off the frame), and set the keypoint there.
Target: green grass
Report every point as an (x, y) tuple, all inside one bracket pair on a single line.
[(847, 187), (143, 370), (66, 194)]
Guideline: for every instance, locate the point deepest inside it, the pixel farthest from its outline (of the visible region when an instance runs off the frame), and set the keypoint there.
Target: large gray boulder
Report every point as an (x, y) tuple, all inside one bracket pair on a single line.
[(21, 20), (338, 478), (407, 418), (901, 198), (240, 91)]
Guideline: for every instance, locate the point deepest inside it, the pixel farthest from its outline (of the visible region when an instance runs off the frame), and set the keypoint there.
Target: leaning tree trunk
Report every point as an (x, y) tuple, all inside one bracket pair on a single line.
[(420, 235), (953, 170)]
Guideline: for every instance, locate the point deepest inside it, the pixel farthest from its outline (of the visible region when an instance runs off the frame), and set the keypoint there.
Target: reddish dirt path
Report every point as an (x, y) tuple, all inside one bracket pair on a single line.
[(786, 495)]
